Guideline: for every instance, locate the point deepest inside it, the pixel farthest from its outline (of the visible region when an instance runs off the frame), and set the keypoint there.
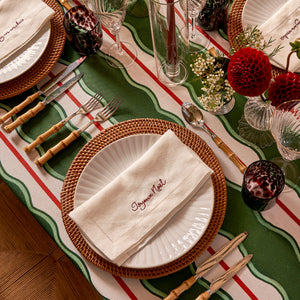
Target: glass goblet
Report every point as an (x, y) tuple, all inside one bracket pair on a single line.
[(193, 8), (285, 128), (111, 14)]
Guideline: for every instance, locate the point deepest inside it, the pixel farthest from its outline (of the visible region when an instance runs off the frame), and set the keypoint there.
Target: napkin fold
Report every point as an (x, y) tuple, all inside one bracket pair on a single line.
[(20, 21), (122, 217), (284, 27)]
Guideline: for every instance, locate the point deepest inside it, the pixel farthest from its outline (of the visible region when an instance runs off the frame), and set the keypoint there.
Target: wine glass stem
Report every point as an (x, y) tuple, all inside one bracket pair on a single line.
[(120, 50), (283, 168), (193, 33)]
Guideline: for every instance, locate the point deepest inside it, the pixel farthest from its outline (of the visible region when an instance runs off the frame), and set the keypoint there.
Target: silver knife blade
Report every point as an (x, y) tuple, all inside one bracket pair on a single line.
[(62, 88), (219, 282), (46, 90), (219, 255)]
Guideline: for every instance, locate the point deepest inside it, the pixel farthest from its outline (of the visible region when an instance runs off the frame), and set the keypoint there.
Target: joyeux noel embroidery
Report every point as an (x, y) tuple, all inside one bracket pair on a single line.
[(156, 188), (2, 37)]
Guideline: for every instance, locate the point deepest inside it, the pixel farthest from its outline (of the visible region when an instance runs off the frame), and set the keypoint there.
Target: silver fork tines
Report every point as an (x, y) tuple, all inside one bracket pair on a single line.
[(105, 113), (109, 109), (92, 104), (89, 106)]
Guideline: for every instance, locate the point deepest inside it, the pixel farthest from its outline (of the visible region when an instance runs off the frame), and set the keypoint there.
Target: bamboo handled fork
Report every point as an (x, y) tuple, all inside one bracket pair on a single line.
[(89, 106), (106, 112)]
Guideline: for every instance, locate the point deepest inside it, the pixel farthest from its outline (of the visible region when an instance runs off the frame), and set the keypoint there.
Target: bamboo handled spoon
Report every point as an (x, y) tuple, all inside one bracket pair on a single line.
[(193, 115), (66, 4)]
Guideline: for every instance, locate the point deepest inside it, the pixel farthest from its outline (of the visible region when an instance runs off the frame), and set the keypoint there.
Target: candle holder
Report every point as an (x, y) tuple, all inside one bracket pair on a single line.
[(170, 45)]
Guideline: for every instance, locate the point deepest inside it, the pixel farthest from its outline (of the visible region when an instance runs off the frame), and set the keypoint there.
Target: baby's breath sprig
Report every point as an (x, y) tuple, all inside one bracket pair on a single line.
[(253, 37), (215, 86)]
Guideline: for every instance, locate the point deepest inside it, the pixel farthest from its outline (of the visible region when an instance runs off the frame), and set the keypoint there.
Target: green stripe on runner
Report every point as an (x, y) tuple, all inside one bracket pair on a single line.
[(268, 243), (138, 40)]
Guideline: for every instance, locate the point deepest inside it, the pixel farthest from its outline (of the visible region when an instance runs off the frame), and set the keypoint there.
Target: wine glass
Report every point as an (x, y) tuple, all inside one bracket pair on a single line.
[(111, 14), (285, 128), (192, 9)]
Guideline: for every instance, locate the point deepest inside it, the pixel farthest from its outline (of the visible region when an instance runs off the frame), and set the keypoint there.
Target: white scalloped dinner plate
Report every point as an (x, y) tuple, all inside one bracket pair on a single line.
[(27, 56), (180, 234), (256, 12)]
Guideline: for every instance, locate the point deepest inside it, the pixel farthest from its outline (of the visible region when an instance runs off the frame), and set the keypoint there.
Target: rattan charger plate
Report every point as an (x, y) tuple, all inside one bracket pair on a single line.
[(235, 27), (46, 62), (114, 133)]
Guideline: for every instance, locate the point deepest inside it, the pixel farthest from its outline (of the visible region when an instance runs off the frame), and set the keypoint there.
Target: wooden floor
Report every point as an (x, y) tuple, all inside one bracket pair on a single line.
[(32, 266)]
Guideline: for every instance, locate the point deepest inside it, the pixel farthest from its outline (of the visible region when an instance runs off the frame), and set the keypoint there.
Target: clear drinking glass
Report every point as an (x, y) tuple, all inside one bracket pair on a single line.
[(285, 128), (192, 9), (263, 182), (167, 18), (111, 14)]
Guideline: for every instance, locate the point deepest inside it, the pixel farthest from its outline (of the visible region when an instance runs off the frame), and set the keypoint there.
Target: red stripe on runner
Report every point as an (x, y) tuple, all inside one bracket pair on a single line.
[(180, 102), (26, 165), (77, 2), (288, 212), (154, 77), (278, 202), (235, 277), (125, 287), (122, 284), (77, 102), (212, 40), (30, 170)]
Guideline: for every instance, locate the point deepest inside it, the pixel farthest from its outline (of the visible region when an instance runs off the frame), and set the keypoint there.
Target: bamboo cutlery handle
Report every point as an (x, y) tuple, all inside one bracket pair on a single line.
[(203, 296), (60, 146), (41, 138), (65, 4), (23, 118), (19, 107), (232, 156), (174, 294)]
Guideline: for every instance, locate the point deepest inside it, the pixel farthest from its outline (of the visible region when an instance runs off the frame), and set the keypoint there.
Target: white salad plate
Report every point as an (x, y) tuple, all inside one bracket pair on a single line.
[(180, 234), (256, 12), (27, 56)]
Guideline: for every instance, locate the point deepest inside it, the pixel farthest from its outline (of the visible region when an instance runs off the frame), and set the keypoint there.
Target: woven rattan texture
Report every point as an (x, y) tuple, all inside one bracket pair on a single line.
[(235, 27), (46, 62), (121, 130)]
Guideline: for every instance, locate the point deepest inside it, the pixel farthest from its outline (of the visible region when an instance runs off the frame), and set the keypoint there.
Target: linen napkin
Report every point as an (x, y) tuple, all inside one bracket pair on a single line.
[(122, 217), (20, 21), (284, 27)]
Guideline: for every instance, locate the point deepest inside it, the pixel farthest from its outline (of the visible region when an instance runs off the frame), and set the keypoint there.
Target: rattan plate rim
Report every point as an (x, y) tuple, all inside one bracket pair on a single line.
[(235, 27), (46, 62), (121, 130)]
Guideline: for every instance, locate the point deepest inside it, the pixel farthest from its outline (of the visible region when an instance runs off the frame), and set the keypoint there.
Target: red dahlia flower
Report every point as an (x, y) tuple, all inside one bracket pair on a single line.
[(249, 72), (284, 87)]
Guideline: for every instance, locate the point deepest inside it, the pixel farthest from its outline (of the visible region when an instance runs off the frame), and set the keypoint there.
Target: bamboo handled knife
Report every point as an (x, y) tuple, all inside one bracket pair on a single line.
[(207, 266), (219, 282), (42, 104), (45, 90)]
